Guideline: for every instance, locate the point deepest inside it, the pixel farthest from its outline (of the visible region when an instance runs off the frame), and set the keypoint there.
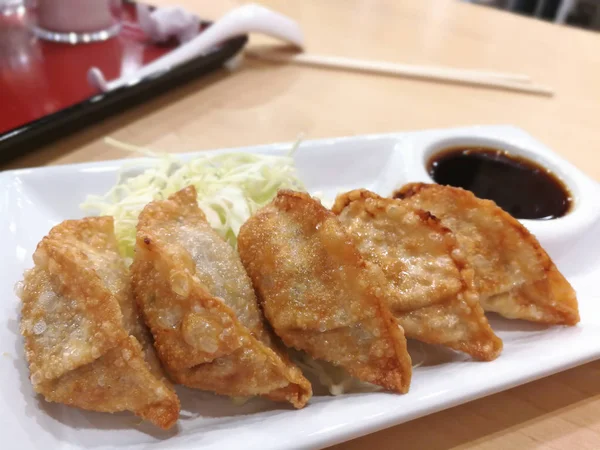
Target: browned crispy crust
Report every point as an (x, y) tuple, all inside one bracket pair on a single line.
[(120, 380), (77, 345), (514, 275), (319, 294), (209, 342), (429, 284), (98, 234)]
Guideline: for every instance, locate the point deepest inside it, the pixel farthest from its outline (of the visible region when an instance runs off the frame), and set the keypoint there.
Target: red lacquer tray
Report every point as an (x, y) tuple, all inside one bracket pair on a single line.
[(44, 93)]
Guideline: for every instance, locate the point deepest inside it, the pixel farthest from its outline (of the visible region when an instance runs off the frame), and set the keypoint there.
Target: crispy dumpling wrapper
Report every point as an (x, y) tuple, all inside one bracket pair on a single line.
[(201, 308), (430, 287), (77, 340), (318, 293), (100, 246), (515, 277)]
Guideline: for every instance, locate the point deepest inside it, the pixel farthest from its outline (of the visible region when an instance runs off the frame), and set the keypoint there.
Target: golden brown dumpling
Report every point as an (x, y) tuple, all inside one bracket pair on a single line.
[(515, 277), (319, 294), (200, 306), (429, 285), (82, 351)]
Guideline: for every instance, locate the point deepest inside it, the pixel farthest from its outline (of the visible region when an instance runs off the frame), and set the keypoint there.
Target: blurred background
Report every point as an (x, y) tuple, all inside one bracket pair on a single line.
[(579, 13)]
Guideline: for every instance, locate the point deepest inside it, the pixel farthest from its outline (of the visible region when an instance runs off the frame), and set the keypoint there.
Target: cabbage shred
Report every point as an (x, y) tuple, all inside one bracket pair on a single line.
[(231, 187)]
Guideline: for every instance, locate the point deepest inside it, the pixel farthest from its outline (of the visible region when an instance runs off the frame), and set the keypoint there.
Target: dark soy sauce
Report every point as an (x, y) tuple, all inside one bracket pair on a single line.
[(519, 186)]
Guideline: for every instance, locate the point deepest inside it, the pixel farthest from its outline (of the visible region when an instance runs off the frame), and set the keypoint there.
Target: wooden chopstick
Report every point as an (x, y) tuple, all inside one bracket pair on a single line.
[(497, 80)]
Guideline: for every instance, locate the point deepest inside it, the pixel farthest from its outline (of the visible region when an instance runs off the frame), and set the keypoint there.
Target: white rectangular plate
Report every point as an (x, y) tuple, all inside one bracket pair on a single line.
[(33, 200)]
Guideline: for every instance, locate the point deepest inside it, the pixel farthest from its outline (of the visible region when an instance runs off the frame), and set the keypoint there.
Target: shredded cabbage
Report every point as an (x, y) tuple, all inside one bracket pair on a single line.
[(231, 187)]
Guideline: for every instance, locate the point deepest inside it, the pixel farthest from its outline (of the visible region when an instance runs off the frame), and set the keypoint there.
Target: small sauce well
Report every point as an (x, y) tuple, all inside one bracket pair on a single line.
[(518, 185)]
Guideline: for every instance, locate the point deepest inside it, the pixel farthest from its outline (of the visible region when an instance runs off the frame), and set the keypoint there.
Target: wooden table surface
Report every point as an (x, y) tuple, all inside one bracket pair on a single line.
[(262, 103)]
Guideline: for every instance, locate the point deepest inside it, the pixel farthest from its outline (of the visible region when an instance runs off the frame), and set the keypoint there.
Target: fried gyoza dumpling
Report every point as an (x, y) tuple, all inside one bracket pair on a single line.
[(515, 277), (199, 303), (319, 294), (80, 327), (429, 285)]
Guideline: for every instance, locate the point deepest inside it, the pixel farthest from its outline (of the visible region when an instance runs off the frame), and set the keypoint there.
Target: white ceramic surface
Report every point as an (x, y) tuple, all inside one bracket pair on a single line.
[(33, 200), (245, 19)]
